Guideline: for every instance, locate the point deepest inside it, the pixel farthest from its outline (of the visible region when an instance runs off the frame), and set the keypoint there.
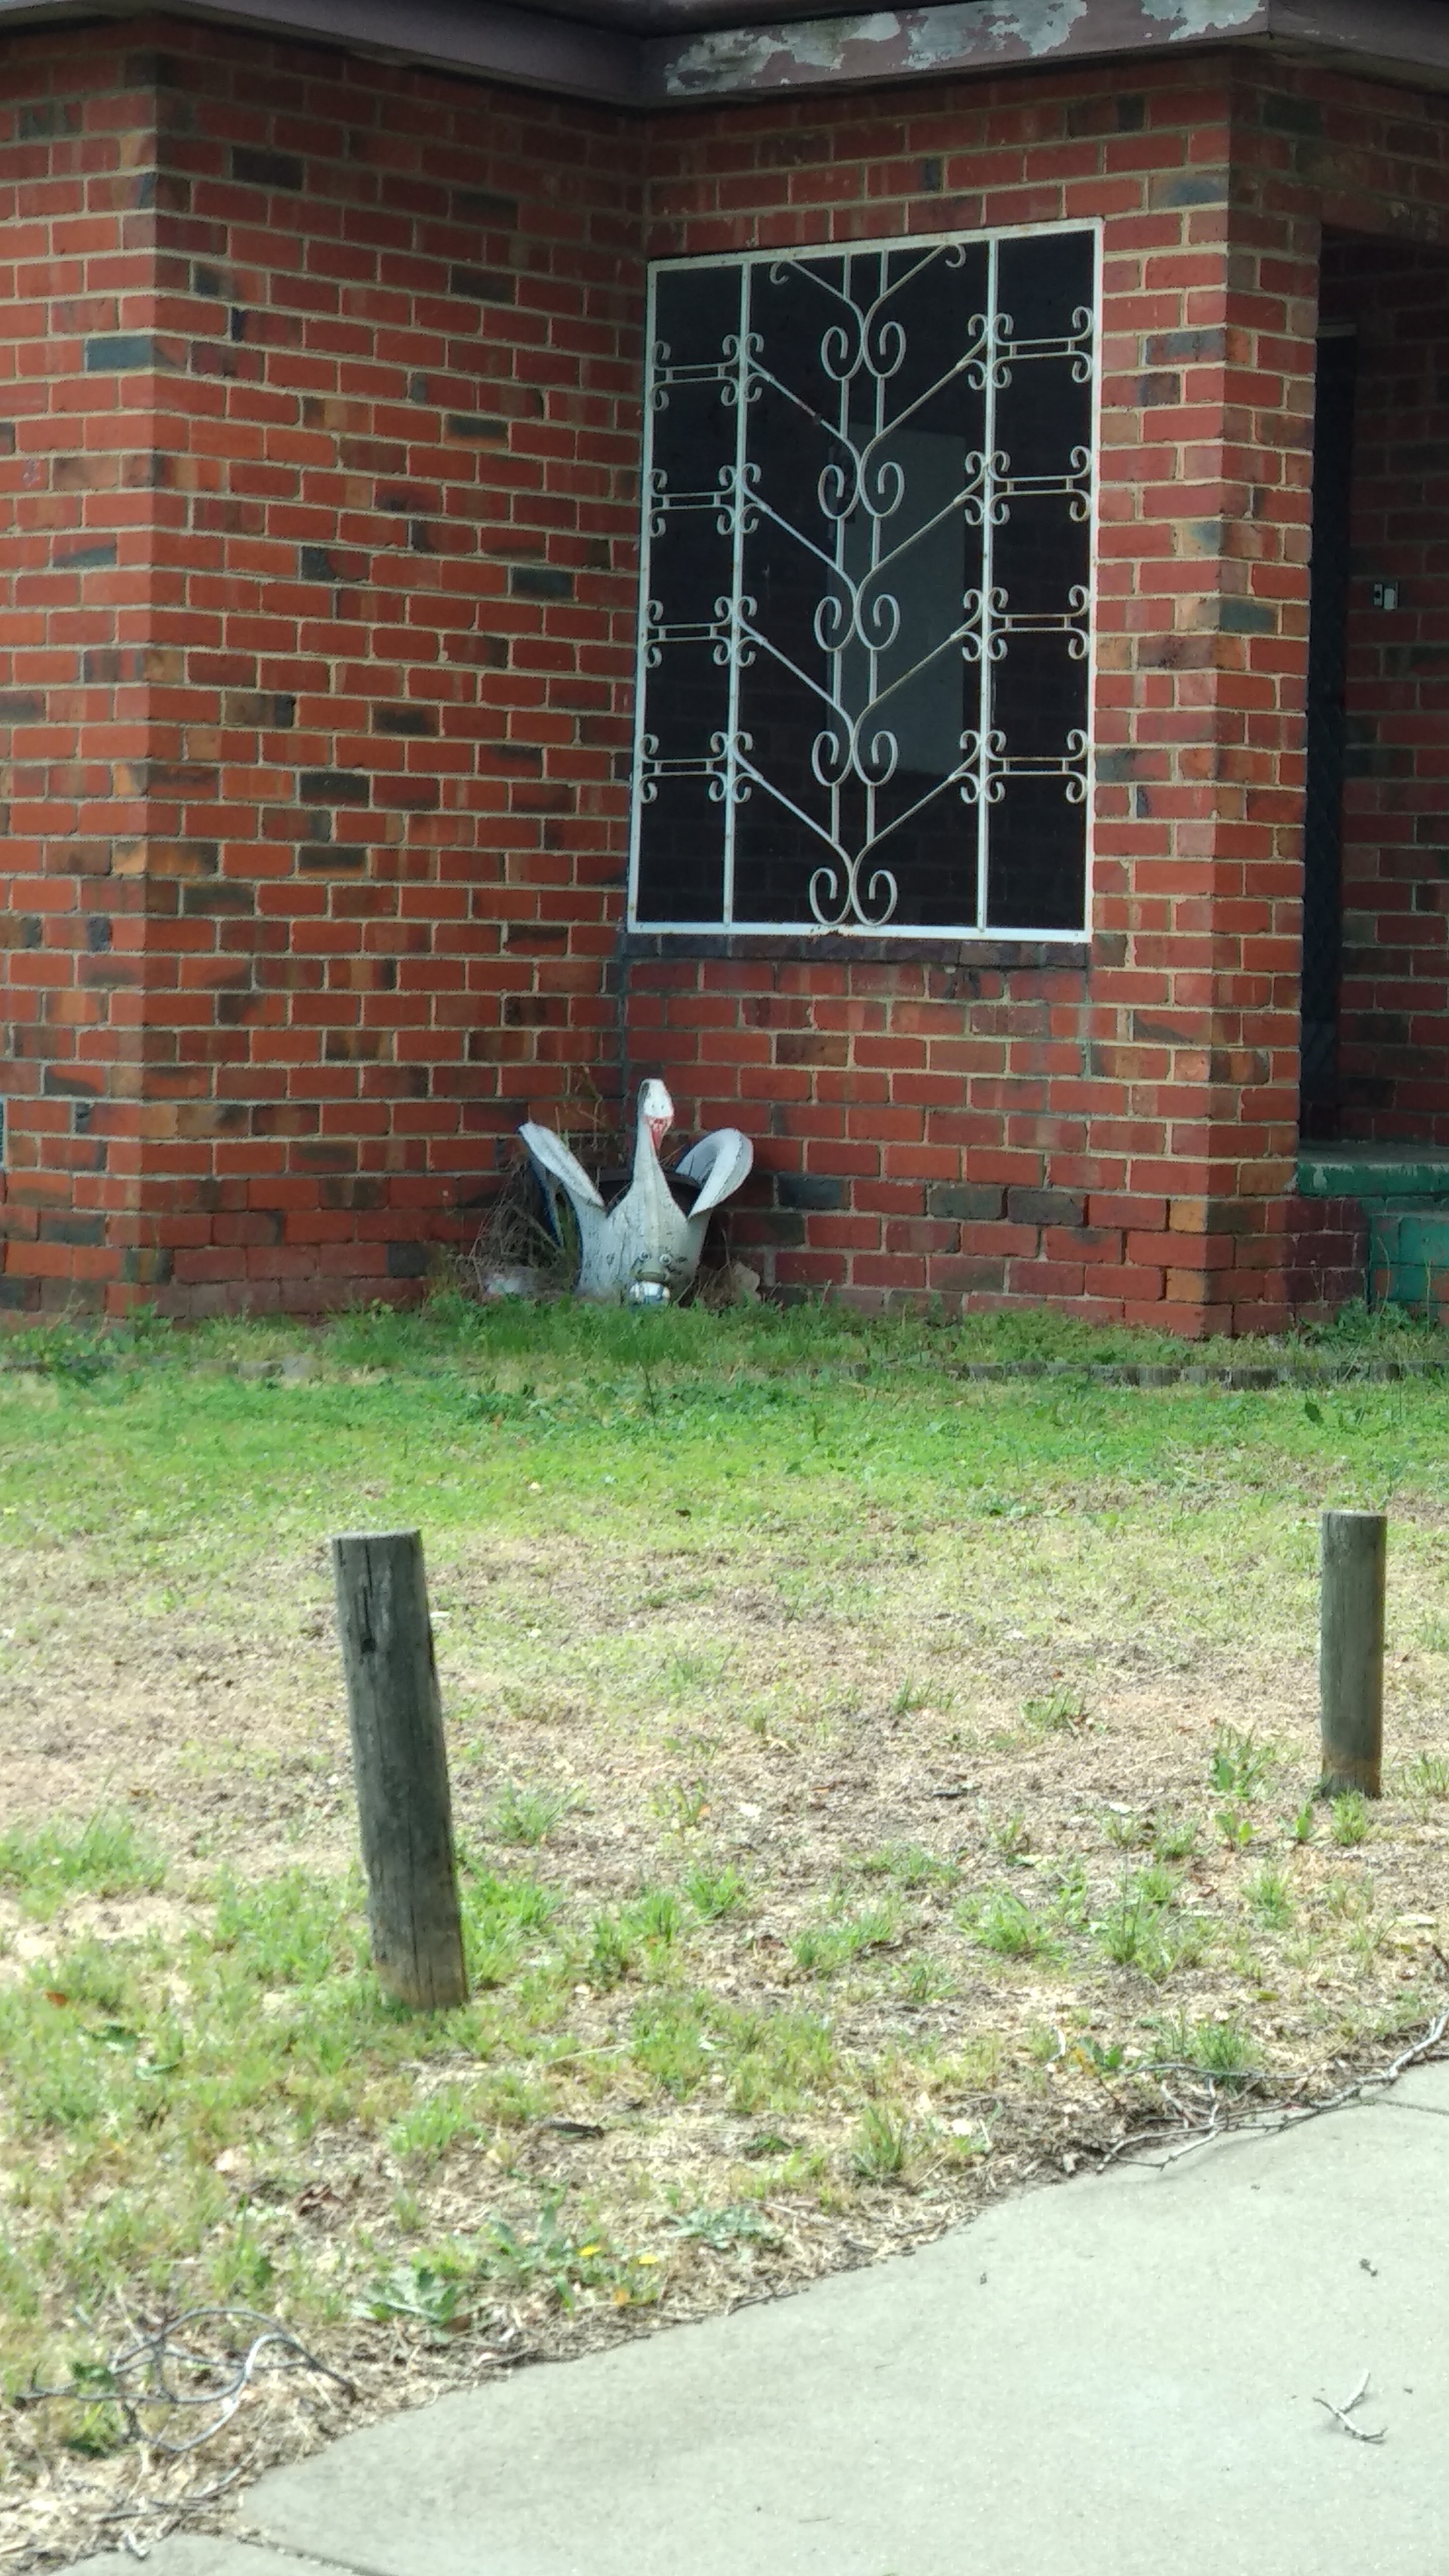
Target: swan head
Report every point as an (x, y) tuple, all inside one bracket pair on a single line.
[(656, 1112)]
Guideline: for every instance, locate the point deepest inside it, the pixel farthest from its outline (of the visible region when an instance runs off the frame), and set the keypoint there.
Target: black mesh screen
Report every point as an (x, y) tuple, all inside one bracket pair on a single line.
[(1323, 791)]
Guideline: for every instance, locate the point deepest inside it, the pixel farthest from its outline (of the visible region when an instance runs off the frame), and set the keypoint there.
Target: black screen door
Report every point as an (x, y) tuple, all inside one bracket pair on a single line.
[(1323, 791)]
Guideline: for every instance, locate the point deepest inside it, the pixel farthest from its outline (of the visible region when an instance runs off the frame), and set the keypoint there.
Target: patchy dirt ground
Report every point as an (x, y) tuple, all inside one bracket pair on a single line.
[(891, 1864)]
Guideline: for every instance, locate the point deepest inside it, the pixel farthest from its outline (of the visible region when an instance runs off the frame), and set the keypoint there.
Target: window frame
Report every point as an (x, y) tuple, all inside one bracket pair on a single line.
[(908, 936)]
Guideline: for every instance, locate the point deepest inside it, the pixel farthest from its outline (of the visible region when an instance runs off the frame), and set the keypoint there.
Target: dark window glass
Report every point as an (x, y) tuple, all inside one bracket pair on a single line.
[(867, 586)]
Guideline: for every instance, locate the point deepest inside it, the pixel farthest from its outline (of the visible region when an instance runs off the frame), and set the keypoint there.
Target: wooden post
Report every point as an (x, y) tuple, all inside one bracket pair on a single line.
[(400, 1766), (1351, 1651)]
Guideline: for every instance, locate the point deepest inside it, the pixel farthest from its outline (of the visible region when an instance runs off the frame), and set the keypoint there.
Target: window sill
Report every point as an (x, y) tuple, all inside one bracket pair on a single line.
[(857, 948)]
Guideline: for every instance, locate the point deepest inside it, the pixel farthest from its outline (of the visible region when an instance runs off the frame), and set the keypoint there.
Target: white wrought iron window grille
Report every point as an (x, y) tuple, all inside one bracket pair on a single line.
[(865, 631)]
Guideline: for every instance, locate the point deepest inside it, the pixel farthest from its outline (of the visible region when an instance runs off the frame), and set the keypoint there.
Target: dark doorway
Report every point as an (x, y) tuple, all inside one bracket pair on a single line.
[(1318, 1113)]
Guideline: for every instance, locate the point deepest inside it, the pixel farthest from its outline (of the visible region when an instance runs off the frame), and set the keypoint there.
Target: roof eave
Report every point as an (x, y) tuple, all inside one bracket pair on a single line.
[(1406, 41)]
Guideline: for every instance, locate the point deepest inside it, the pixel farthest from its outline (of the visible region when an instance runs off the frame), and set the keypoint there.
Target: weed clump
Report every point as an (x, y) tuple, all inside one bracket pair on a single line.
[(883, 2145), (528, 1816), (1351, 1822), (1006, 1924), (43, 1865)]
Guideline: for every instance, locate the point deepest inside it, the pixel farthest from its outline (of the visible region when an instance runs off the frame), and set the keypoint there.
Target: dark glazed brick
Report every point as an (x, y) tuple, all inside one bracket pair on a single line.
[(155, 71), (274, 709), (147, 1265), (535, 1011), (95, 558), (73, 1229), (964, 1202), (334, 787), (404, 720), (540, 581), (484, 285), (44, 118), (407, 1261), (797, 149), (314, 563), (1207, 347), (124, 353), (1246, 617), (476, 424), (332, 858), (1378, 1028), (98, 933), (1045, 1207), (1184, 188), (481, 206), (1292, 115), (267, 169), (229, 895), (809, 1190), (20, 706)]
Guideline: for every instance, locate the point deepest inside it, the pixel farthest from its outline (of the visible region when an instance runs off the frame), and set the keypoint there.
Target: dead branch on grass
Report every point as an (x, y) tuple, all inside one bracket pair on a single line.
[(1191, 2131), (135, 2380)]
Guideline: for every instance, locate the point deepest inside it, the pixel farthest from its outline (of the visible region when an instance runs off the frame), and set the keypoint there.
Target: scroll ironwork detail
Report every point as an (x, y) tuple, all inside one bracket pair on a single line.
[(866, 626)]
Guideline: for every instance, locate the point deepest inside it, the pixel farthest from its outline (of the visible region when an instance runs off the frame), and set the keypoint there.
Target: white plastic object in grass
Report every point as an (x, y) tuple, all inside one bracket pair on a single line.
[(646, 1240)]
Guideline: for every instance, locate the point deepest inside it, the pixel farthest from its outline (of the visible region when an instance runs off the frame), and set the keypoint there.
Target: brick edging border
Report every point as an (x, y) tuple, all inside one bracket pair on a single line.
[(1202, 1373), (1237, 1376)]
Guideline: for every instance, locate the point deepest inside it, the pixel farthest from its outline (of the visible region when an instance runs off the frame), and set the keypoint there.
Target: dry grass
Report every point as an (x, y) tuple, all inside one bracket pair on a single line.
[(875, 1792)]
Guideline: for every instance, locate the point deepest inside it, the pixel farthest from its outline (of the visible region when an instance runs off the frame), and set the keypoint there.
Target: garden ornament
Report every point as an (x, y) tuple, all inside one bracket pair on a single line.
[(645, 1248)]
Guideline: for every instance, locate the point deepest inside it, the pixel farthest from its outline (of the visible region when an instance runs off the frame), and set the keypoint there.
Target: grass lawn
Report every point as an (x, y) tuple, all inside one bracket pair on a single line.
[(875, 1787)]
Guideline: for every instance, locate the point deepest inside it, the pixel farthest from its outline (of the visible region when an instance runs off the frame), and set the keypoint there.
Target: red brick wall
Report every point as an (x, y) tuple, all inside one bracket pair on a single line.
[(317, 642), (1009, 1132), (318, 790), (1394, 1023), (77, 223), (1121, 1139)]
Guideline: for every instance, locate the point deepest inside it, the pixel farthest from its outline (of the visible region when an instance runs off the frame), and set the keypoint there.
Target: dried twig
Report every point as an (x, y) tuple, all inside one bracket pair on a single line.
[(1189, 2134), (141, 2376), (177, 2504), (1344, 2414)]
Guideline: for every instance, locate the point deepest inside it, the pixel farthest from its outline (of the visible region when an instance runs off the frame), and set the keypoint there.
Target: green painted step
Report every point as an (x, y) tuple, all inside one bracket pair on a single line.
[(1376, 1174), (1404, 1193), (1408, 1255)]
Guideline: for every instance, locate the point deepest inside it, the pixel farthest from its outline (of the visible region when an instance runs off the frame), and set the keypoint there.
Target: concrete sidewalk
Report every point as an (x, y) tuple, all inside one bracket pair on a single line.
[(1112, 2378)]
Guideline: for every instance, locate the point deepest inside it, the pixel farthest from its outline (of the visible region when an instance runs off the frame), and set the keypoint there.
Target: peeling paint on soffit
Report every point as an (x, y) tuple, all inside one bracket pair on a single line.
[(647, 53), (964, 35)]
